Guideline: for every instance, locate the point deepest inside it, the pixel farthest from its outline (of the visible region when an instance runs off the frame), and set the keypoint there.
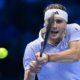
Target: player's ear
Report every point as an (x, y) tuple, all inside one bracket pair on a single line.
[(45, 23), (43, 30)]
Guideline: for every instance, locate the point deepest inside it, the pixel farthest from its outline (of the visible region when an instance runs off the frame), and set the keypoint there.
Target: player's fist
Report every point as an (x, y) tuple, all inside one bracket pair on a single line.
[(42, 59), (34, 67)]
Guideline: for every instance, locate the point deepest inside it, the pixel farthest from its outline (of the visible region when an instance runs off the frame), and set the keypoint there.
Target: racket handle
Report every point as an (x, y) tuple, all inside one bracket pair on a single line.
[(40, 54)]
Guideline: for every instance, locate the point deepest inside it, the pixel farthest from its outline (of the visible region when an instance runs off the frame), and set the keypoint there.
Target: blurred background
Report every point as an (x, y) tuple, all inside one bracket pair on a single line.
[(20, 22)]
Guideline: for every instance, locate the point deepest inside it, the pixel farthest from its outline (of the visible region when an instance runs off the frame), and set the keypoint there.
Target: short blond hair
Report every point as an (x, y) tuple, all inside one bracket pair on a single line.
[(55, 6)]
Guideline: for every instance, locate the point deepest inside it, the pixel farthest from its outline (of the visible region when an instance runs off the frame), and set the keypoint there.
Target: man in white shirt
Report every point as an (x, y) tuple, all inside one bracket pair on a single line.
[(60, 60)]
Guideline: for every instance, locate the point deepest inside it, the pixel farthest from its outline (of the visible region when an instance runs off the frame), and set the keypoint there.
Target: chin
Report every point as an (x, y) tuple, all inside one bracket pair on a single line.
[(55, 37)]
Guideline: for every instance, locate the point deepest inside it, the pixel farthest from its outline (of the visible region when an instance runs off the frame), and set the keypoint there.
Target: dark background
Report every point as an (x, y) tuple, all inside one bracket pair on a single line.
[(20, 22)]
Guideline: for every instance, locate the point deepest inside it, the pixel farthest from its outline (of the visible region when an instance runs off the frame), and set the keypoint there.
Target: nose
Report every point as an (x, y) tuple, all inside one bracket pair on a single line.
[(54, 25)]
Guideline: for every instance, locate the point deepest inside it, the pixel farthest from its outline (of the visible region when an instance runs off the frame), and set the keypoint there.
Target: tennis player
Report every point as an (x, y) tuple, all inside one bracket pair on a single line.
[(60, 60)]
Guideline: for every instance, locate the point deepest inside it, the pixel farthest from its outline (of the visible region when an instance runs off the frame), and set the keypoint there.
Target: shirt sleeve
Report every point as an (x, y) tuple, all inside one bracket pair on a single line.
[(74, 32), (29, 55)]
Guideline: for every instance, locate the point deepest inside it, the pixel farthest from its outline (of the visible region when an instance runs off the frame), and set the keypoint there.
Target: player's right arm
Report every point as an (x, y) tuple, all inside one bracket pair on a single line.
[(29, 56), (30, 73), (30, 65), (26, 74)]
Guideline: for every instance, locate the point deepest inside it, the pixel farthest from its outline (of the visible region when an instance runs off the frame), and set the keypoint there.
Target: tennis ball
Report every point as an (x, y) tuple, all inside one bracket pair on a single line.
[(3, 53)]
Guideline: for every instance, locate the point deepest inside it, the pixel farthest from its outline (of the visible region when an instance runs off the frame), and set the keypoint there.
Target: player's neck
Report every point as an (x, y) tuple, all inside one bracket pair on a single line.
[(54, 42)]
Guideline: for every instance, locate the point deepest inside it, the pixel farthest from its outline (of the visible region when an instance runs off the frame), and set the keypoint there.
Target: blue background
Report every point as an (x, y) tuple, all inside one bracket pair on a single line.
[(20, 22)]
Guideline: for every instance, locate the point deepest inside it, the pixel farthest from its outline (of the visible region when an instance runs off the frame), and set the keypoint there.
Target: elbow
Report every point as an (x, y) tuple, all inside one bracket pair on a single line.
[(77, 54), (78, 57)]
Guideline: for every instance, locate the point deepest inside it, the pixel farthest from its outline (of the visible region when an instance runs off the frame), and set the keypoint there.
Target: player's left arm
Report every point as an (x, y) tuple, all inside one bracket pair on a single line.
[(69, 55)]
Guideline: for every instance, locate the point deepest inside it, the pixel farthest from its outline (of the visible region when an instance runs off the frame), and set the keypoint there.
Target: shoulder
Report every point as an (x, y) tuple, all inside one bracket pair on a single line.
[(34, 44), (73, 31), (72, 27)]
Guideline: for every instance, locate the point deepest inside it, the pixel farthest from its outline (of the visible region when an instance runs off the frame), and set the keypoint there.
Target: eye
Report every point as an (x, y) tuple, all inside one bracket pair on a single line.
[(59, 21)]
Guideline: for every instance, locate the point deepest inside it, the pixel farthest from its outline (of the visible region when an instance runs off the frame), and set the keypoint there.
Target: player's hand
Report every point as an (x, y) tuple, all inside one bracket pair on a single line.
[(43, 59), (34, 67)]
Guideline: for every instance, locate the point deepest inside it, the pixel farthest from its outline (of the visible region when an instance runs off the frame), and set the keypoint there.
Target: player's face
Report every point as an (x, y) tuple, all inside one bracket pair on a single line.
[(57, 28)]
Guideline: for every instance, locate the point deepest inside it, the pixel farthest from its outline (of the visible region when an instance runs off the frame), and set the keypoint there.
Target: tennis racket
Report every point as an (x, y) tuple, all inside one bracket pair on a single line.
[(48, 29)]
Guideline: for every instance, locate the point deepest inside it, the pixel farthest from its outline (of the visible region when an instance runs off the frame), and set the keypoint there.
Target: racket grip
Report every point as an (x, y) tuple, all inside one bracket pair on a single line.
[(40, 54)]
